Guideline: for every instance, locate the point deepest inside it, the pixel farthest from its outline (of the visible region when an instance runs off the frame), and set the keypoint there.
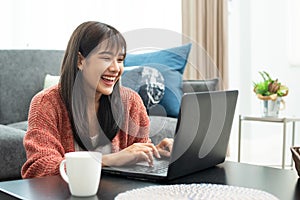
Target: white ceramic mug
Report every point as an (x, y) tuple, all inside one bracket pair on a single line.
[(83, 171)]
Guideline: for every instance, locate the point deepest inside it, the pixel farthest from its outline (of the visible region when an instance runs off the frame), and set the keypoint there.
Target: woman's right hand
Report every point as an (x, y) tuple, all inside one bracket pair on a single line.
[(135, 153)]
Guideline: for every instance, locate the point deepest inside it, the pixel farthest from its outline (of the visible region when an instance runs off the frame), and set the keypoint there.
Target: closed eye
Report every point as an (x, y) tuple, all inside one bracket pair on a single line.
[(120, 60)]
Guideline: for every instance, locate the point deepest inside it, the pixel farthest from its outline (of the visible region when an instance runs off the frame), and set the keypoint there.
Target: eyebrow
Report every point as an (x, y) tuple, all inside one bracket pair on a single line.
[(110, 53)]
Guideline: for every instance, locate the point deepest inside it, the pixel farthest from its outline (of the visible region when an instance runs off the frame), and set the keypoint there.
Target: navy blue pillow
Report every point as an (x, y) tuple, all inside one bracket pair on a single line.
[(171, 64)]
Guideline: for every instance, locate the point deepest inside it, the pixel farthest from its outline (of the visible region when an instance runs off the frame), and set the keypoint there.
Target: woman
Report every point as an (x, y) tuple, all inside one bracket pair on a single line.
[(89, 109)]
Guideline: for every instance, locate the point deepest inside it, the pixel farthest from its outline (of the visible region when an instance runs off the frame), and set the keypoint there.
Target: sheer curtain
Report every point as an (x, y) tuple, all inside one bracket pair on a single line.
[(204, 24)]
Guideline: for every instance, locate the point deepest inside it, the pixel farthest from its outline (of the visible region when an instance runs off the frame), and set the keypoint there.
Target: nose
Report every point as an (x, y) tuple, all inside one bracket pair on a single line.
[(114, 66)]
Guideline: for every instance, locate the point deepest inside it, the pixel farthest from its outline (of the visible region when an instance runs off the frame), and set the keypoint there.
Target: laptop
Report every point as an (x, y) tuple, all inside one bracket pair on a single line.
[(200, 142)]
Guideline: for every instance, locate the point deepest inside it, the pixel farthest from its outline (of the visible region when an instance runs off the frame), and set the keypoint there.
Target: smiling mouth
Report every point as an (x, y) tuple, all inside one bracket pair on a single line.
[(108, 78)]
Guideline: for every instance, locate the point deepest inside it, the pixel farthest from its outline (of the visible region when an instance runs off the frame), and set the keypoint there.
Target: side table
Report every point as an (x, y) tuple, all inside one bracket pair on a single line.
[(283, 120)]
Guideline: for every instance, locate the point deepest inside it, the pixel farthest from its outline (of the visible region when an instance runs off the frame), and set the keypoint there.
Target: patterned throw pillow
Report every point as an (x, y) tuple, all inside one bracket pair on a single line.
[(146, 81), (171, 64)]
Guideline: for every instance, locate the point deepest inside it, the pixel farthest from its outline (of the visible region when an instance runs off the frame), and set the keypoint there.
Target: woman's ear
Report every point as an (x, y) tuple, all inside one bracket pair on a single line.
[(80, 61)]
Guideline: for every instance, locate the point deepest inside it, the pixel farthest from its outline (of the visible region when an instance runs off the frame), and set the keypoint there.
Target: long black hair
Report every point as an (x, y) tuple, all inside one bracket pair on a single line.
[(87, 37)]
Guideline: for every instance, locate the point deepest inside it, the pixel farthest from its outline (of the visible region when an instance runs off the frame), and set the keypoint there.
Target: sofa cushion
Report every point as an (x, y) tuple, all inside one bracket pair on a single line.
[(161, 127), (22, 76), (200, 85), (19, 125), (50, 80), (171, 64), (12, 152)]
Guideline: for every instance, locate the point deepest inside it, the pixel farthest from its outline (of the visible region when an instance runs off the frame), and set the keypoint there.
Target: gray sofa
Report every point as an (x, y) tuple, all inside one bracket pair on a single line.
[(22, 76)]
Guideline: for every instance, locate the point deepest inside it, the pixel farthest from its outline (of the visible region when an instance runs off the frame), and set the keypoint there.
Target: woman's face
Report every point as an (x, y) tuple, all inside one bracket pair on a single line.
[(102, 69)]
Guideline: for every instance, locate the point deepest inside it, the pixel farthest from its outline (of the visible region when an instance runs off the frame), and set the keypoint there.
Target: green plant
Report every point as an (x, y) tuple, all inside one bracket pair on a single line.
[(269, 87)]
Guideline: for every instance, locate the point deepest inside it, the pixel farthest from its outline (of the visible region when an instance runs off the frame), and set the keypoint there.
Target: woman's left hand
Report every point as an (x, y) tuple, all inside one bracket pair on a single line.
[(165, 147)]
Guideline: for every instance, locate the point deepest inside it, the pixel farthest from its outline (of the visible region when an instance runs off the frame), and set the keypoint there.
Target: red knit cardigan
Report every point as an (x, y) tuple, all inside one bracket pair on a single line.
[(50, 136)]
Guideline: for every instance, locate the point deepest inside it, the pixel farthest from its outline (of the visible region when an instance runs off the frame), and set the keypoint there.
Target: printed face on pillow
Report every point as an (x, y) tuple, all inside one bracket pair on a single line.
[(102, 68)]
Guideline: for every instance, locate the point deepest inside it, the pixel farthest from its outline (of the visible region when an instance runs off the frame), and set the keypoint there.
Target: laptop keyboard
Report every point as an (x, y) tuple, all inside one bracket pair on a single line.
[(159, 166)]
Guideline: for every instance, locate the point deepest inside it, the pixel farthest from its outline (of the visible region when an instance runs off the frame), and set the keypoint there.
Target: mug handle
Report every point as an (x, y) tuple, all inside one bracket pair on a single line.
[(62, 170)]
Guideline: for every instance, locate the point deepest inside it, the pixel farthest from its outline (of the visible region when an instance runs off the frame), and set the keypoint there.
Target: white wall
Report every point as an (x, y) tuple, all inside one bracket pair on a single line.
[(258, 40), (45, 24)]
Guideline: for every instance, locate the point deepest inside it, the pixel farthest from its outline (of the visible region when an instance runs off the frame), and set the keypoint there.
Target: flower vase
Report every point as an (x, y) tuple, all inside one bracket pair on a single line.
[(271, 108)]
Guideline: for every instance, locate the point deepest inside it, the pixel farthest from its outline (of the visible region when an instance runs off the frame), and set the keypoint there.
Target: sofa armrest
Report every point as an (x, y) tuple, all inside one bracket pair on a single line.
[(12, 152), (200, 85)]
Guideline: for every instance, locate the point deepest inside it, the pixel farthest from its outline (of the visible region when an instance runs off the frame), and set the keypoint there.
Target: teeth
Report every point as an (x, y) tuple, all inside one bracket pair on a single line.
[(109, 78)]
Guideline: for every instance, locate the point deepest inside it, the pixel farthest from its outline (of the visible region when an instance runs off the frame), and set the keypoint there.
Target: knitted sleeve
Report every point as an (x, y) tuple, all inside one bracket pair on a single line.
[(42, 141), (136, 122), (139, 122)]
